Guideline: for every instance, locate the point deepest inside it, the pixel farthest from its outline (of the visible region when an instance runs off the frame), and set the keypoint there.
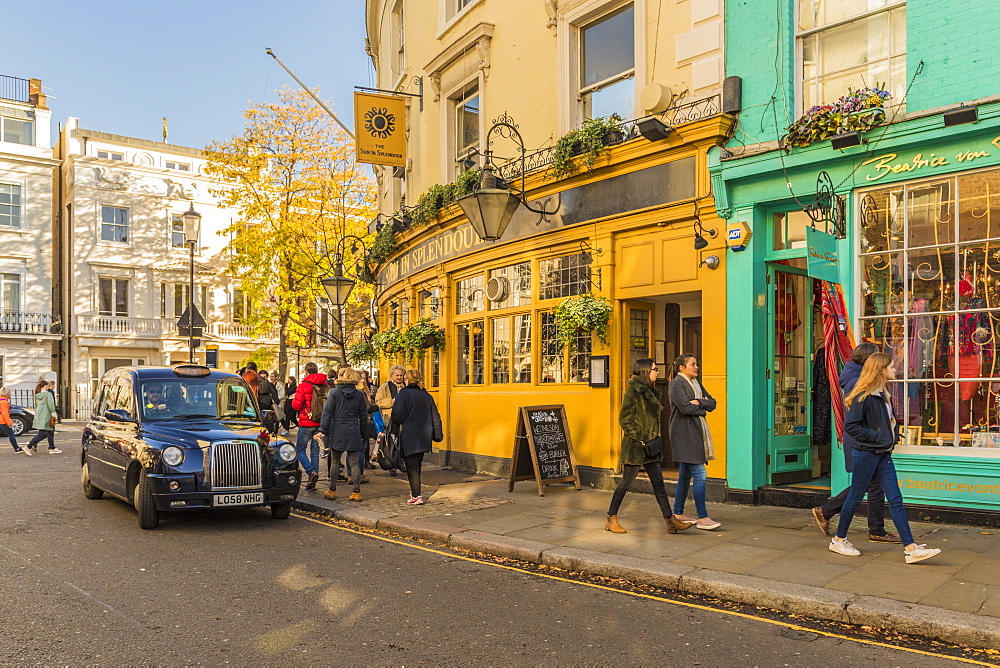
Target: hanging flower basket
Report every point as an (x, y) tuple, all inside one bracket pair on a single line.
[(362, 352), (420, 336), (579, 315), (388, 343), (858, 111)]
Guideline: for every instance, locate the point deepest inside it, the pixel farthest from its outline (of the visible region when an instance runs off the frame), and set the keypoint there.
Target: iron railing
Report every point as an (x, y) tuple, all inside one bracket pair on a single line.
[(672, 117), (14, 89)]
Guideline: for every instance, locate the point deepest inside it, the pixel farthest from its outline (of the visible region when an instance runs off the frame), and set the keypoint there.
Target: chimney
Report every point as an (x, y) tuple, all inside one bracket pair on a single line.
[(35, 94)]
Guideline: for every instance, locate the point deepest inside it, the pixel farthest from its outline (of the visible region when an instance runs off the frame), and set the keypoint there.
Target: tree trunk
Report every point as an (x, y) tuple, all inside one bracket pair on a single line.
[(283, 347)]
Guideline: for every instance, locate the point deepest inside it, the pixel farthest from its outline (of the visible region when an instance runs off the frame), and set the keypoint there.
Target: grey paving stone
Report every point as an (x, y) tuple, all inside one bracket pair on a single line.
[(785, 596), (501, 546), (642, 571), (912, 618)]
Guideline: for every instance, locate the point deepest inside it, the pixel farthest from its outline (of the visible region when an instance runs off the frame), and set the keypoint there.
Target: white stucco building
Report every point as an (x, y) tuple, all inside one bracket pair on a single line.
[(127, 265), (29, 324)]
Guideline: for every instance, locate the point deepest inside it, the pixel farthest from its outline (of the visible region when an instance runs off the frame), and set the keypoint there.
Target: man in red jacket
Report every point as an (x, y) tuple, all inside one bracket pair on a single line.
[(308, 428)]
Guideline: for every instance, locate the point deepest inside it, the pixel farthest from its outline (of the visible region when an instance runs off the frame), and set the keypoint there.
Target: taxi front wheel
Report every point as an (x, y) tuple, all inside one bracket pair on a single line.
[(149, 518), (281, 511)]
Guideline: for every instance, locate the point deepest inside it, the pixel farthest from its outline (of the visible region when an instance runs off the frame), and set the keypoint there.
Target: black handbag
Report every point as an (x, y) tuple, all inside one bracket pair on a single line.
[(654, 447)]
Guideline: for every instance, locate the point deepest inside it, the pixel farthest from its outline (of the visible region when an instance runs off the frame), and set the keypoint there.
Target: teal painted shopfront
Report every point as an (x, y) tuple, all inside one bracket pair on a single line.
[(914, 216)]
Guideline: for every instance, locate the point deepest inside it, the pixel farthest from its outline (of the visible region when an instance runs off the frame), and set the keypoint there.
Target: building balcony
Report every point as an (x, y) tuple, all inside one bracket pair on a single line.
[(240, 331), (114, 326), (14, 89), (17, 322)]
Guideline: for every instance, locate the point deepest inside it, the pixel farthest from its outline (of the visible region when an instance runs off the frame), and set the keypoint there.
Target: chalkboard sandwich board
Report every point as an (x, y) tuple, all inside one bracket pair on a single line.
[(542, 448)]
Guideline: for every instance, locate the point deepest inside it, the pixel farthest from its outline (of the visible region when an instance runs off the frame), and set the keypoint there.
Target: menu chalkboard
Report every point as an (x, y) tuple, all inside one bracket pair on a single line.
[(542, 447)]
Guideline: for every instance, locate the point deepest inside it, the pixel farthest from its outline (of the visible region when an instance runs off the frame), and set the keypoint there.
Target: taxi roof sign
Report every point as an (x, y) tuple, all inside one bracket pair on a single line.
[(738, 236), (192, 370)]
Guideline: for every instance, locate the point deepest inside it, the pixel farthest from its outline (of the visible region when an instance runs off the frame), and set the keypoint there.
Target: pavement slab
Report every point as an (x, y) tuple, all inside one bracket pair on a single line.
[(901, 581)]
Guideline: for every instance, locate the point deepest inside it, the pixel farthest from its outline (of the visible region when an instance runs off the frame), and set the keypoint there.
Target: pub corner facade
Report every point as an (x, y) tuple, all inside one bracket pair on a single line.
[(917, 251), (624, 230)]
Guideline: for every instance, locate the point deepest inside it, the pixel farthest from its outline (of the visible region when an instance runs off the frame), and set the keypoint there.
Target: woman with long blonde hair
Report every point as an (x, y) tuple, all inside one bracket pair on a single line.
[(871, 422)]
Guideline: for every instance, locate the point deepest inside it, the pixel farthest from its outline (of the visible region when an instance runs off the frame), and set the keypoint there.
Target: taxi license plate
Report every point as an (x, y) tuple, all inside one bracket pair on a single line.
[(241, 499)]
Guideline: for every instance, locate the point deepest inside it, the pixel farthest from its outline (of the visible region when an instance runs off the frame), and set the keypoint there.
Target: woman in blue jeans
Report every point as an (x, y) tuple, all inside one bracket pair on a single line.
[(690, 440), (871, 422)]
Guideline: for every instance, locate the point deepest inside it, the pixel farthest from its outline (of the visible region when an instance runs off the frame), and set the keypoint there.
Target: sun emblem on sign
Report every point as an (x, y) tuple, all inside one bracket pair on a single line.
[(379, 122)]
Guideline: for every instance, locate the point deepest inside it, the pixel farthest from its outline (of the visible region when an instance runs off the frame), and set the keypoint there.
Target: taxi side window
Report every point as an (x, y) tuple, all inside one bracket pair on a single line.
[(123, 399), (106, 399)]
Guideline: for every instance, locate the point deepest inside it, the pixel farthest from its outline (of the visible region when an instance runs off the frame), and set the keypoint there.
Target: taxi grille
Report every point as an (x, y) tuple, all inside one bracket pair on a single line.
[(236, 465)]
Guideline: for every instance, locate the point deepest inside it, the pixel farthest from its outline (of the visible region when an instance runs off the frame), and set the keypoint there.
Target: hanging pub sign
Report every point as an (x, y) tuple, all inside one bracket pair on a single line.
[(379, 125), (542, 448), (822, 261)]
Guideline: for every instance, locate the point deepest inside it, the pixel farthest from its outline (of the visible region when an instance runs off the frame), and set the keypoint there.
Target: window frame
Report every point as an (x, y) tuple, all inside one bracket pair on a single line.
[(100, 224), (177, 166), (110, 155), (115, 284), (19, 206), (30, 123), (800, 36), (14, 276)]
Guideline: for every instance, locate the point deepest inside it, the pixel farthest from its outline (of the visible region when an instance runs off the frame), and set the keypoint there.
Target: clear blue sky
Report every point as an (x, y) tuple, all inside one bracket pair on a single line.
[(122, 65)]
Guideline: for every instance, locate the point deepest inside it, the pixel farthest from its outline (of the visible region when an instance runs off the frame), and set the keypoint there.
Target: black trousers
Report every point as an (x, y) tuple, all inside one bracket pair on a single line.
[(413, 463), (876, 507), (629, 472)]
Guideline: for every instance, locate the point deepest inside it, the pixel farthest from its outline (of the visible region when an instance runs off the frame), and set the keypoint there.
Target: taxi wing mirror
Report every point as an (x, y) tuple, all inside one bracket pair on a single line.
[(117, 415), (268, 416)]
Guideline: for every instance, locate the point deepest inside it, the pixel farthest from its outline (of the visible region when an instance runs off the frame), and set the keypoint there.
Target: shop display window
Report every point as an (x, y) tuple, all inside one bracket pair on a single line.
[(514, 285), (930, 296)]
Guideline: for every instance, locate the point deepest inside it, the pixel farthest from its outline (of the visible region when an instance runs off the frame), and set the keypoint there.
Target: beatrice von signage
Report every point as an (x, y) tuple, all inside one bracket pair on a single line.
[(927, 161), (380, 130), (821, 256)]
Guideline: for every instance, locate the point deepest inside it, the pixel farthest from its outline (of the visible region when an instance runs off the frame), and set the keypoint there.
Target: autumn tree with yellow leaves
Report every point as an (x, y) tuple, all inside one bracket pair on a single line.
[(292, 177)]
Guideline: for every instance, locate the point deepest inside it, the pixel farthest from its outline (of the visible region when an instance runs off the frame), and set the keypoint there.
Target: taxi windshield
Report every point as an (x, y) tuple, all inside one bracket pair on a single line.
[(196, 398)]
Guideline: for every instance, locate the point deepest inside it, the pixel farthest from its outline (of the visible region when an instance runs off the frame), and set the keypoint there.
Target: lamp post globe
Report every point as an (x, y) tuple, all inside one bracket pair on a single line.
[(338, 287), (192, 224)]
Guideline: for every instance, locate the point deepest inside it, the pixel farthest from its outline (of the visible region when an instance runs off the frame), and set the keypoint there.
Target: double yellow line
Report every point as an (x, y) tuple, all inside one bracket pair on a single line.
[(651, 597)]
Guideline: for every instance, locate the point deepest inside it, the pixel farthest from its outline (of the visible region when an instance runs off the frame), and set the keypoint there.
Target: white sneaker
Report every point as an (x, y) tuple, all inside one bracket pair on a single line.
[(55, 451), (844, 547), (416, 500), (26, 450), (284, 432), (921, 552)]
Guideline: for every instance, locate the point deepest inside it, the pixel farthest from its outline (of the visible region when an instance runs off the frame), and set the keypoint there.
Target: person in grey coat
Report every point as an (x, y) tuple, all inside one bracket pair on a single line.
[(416, 416), (690, 439), (345, 416)]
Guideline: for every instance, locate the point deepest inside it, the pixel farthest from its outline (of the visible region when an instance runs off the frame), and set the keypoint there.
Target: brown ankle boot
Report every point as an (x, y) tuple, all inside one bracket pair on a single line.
[(674, 524), (611, 524)]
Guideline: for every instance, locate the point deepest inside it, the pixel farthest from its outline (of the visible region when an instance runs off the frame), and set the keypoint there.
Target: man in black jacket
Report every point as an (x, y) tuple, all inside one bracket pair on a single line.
[(267, 396)]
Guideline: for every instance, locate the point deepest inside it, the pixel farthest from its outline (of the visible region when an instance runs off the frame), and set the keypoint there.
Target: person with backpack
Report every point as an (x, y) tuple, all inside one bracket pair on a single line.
[(343, 424), (385, 396), (308, 402)]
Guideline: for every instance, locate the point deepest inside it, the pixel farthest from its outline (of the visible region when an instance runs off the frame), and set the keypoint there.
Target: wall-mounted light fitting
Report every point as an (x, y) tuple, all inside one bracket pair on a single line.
[(586, 249), (699, 230), (961, 116), (712, 262), (846, 140)]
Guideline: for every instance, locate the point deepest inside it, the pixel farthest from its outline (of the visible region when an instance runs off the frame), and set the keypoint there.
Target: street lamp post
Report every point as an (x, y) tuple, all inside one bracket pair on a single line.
[(192, 228), (338, 287)]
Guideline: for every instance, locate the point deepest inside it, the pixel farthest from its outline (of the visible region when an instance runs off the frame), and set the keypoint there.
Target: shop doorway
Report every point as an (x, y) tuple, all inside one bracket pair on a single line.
[(798, 448), (662, 328)]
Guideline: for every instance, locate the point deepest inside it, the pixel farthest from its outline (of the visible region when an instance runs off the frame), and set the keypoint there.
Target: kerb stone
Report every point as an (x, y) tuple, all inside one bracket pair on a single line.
[(949, 626), (437, 532), (501, 546), (784, 596), (634, 569)]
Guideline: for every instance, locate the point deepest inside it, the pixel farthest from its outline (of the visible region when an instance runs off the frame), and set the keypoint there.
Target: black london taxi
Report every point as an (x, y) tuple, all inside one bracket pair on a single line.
[(184, 437)]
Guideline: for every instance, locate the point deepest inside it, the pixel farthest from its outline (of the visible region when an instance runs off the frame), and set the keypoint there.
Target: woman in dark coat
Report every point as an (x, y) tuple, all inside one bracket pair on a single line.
[(345, 416), (640, 421), (690, 439), (416, 417)]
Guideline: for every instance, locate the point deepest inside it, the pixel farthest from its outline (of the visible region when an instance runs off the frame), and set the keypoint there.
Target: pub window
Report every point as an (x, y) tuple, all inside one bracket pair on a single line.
[(465, 120), (552, 362), (511, 284), (564, 276), (404, 312), (930, 297), (607, 65), (511, 349), (847, 44), (469, 295), (430, 303), (394, 315), (469, 345)]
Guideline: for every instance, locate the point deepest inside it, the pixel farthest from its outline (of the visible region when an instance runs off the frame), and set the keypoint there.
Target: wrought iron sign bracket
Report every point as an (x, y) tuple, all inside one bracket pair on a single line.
[(827, 207)]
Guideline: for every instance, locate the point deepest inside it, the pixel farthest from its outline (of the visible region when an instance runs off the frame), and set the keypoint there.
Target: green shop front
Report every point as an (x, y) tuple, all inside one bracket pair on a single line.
[(908, 225)]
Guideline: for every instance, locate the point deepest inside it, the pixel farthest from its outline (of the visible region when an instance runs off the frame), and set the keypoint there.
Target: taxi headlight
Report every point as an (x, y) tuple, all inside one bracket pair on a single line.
[(287, 452), (172, 456)]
